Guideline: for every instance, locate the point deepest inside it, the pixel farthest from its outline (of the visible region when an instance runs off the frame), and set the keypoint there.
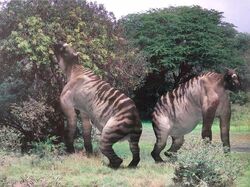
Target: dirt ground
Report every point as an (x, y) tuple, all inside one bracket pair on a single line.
[(240, 142)]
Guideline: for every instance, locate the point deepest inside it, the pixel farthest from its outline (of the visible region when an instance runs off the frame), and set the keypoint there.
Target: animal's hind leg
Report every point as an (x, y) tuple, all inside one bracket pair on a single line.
[(177, 142), (108, 151), (70, 129), (134, 147), (161, 129), (110, 135)]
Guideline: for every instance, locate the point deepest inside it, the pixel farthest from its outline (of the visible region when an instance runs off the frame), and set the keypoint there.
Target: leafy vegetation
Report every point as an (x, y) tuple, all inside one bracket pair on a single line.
[(204, 164), (30, 79), (174, 35), (239, 98)]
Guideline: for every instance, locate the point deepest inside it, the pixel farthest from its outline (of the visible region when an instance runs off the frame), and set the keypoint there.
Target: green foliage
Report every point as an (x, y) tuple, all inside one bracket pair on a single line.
[(48, 148), (87, 26), (173, 35), (239, 97), (30, 78), (183, 34), (9, 139), (32, 116), (204, 164)]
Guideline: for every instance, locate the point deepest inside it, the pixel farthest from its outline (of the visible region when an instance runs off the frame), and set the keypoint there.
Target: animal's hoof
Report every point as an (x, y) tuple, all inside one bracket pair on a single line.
[(226, 149), (133, 163), (169, 154), (160, 161), (115, 164), (157, 158)]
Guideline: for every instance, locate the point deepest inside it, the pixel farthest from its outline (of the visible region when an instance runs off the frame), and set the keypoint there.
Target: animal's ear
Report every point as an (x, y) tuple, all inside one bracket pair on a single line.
[(60, 46), (227, 70), (235, 69), (63, 46), (76, 54)]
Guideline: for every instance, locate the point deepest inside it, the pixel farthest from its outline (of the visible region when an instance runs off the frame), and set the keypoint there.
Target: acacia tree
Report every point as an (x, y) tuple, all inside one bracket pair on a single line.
[(30, 78), (176, 35)]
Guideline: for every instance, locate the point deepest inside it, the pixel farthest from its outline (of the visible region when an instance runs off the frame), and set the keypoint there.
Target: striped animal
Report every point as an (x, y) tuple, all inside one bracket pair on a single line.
[(204, 97), (113, 113)]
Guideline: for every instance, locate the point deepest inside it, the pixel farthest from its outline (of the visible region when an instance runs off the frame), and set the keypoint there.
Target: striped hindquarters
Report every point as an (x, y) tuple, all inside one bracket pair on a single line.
[(109, 102)]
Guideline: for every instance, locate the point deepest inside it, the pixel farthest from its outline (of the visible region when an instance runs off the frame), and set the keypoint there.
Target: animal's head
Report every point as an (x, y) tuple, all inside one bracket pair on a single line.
[(232, 80), (65, 54)]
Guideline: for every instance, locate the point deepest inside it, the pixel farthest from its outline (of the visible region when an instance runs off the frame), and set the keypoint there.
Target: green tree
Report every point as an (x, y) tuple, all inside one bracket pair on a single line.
[(174, 35), (33, 79), (243, 45)]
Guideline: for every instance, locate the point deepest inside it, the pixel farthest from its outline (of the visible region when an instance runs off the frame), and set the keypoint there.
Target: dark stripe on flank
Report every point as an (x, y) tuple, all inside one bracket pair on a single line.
[(188, 82), (160, 102), (118, 99), (103, 90), (171, 99), (176, 94), (125, 104), (97, 84)]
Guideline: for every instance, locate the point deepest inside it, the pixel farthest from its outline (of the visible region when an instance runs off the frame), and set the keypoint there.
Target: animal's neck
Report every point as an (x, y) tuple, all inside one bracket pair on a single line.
[(226, 82), (73, 70)]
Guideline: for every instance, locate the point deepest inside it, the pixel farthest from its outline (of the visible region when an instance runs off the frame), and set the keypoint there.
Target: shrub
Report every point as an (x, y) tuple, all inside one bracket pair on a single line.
[(29, 69), (200, 163), (9, 139), (239, 97), (48, 148)]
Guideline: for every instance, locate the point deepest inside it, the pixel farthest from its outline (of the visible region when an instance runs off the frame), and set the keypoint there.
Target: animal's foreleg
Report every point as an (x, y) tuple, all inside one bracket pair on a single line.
[(208, 115), (224, 131), (87, 128)]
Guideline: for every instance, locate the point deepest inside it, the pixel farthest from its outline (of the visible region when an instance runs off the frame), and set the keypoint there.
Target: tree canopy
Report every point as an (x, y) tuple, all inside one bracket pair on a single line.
[(183, 34), (175, 35)]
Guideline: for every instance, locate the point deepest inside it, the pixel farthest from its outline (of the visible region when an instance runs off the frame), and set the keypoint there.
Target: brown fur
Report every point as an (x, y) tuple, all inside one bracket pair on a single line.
[(202, 98), (112, 112)]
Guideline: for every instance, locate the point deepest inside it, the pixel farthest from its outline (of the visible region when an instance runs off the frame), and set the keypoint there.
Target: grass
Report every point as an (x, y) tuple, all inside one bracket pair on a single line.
[(78, 170)]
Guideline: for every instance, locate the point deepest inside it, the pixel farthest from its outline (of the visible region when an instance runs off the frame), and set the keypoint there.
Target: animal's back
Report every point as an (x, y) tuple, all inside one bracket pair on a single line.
[(101, 101), (183, 105)]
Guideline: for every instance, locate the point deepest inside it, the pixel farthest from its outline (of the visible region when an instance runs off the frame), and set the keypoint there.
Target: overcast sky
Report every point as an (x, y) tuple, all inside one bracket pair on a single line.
[(235, 11)]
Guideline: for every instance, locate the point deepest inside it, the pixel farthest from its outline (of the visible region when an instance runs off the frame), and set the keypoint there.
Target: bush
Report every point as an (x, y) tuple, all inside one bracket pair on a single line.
[(48, 148), (200, 163), (32, 79), (239, 97), (9, 139)]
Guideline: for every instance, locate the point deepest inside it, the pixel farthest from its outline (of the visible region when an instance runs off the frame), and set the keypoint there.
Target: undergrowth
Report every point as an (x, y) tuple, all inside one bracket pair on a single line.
[(200, 163)]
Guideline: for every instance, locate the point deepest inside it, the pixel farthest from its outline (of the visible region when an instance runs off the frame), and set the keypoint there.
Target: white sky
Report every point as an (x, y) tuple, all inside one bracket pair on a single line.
[(235, 11)]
